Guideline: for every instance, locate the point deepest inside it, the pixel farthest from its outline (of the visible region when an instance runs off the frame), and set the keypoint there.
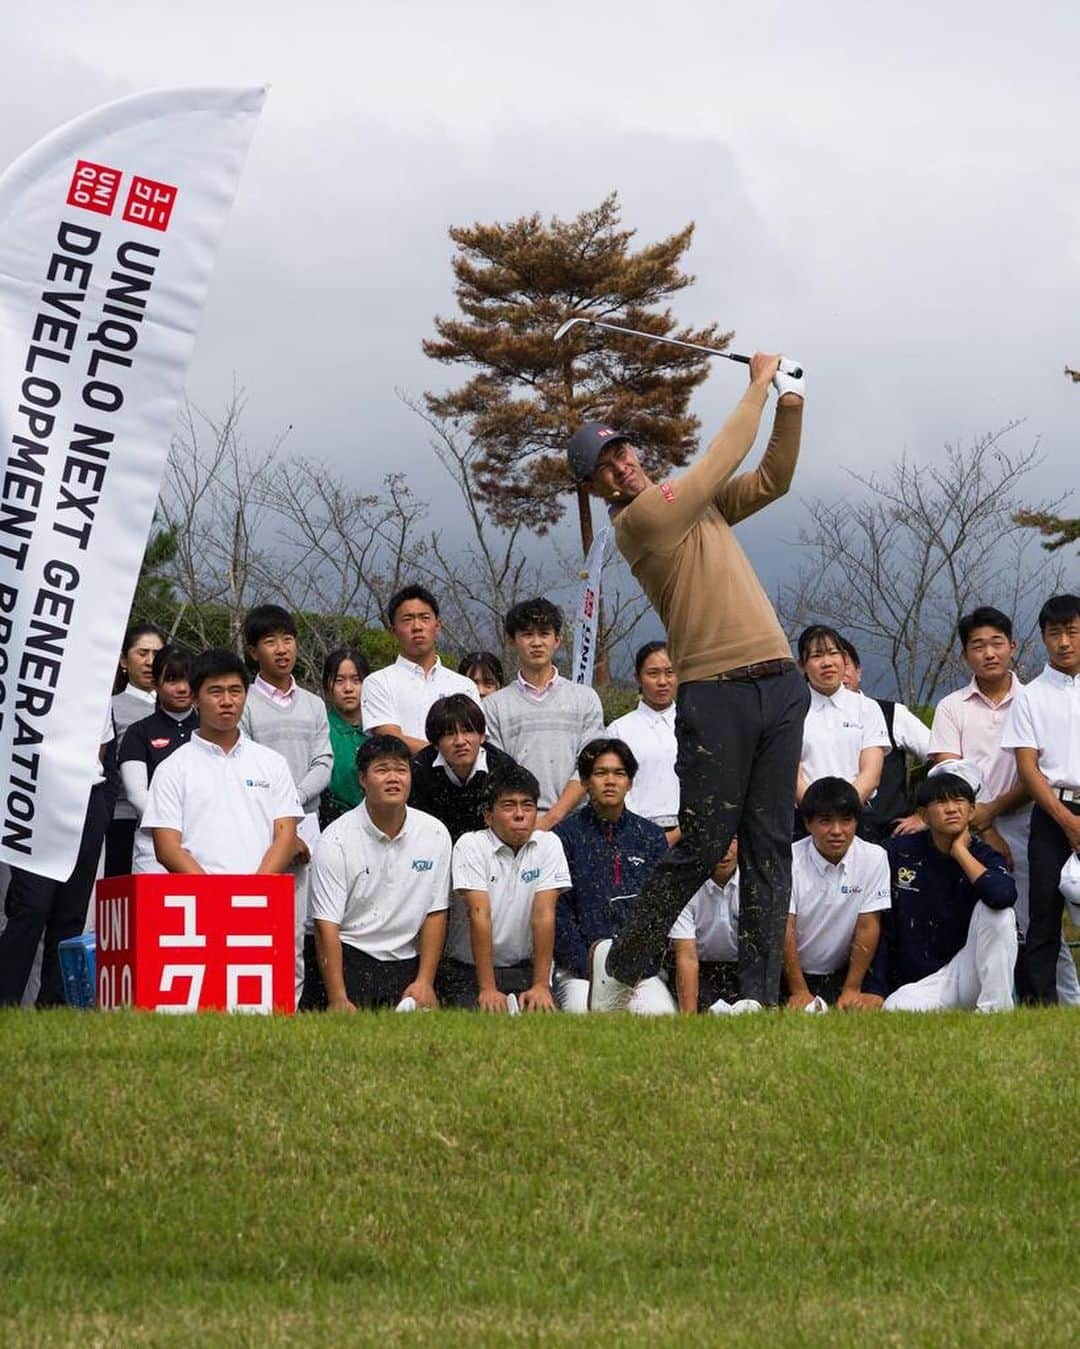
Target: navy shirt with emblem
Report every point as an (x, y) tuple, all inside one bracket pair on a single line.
[(932, 904), (608, 865), (151, 740)]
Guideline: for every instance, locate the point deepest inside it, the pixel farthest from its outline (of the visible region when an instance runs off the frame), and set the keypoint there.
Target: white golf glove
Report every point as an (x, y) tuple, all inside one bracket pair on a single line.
[(784, 381)]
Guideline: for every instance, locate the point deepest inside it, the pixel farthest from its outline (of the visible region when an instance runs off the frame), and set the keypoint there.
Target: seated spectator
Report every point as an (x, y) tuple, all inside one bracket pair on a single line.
[(344, 672), (380, 889), (705, 940), (222, 804), (542, 720), (449, 775), (889, 809), (149, 742), (507, 879), (609, 851), (133, 699), (839, 888), (844, 736), (397, 699), (949, 939), (650, 732), (485, 670)]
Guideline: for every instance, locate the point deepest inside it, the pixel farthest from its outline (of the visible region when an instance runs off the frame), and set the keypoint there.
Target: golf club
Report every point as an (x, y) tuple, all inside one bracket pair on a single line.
[(788, 367)]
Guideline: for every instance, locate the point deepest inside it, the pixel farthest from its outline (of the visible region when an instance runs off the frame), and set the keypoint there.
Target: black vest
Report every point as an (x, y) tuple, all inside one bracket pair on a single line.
[(891, 801)]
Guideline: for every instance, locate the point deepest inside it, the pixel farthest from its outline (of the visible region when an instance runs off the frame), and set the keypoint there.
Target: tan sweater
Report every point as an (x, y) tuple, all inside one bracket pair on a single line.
[(678, 540)]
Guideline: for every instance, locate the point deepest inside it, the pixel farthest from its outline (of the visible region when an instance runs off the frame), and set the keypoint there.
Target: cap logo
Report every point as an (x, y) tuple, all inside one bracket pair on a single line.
[(604, 431)]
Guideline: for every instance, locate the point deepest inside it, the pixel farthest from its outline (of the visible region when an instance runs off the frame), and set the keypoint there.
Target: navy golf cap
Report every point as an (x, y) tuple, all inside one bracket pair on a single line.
[(588, 443)]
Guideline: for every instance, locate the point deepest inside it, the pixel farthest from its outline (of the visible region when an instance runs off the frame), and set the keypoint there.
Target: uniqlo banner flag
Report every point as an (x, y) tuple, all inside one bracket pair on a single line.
[(108, 232), (588, 611)]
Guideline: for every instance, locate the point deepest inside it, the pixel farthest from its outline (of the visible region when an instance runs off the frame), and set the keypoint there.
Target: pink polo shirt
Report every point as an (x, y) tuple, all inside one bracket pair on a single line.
[(970, 725)]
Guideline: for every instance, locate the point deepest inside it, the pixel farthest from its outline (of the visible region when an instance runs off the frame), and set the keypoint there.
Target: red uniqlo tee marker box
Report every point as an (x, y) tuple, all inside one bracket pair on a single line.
[(196, 943)]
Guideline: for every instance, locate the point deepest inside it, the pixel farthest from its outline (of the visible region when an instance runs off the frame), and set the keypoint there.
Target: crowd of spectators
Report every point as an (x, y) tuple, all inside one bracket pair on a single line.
[(459, 839)]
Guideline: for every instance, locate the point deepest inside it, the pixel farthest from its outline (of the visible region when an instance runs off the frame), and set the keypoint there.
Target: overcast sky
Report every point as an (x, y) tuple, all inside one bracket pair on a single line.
[(890, 193)]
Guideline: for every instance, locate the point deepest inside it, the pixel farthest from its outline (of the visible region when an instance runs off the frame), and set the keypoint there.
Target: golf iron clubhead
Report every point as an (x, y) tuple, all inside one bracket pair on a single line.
[(791, 368)]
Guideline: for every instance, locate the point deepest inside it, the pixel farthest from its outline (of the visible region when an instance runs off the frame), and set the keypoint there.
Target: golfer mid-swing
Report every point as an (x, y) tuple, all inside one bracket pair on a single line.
[(741, 700)]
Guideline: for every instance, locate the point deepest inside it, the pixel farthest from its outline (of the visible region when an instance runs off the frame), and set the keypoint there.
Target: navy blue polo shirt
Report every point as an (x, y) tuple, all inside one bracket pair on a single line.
[(608, 865), (932, 904), (151, 740)]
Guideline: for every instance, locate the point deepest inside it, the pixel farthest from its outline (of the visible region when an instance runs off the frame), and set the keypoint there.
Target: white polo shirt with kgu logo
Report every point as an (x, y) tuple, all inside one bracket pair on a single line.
[(827, 899), (222, 804), (511, 881), (838, 727), (379, 889)]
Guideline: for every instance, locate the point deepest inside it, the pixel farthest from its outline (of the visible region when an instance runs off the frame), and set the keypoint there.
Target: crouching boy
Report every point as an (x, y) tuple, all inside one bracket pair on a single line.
[(380, 890), (839, 887), (949, 939), (507, 879)]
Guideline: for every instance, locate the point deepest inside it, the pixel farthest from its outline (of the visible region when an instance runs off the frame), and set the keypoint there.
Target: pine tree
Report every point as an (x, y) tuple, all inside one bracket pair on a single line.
[(516, 282)]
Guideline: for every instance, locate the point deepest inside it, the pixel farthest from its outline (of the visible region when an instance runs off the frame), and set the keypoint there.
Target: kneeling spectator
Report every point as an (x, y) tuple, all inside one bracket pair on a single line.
[(610, 851), (705, 940), (507, 879), (839, 887), (950, 938), (449, 775), (380, 890)]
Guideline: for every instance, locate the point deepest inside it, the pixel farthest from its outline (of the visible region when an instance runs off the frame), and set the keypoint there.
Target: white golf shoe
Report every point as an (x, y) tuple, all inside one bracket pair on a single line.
[(605, 993)]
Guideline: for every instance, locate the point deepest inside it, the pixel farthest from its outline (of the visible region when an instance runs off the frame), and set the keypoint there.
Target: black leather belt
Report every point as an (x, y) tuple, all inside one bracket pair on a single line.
[(760, 669)]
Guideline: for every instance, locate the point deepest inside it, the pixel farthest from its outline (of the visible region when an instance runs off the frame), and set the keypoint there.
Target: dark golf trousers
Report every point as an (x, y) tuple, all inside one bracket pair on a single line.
[(739, 743), (372, 983), (37, 906), (1048, 851)]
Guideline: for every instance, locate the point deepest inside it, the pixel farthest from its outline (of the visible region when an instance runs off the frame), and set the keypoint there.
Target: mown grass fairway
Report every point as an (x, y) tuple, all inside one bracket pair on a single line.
[(448, 1179)]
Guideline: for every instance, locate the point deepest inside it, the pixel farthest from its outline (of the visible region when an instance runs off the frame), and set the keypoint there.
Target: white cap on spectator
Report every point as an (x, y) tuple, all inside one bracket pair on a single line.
[(961, 768), (1070, 887)]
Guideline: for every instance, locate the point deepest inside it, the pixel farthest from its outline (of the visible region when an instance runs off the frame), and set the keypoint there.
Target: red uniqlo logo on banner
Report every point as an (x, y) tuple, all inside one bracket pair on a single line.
[(196, 943), (149, 203), (94, 187)]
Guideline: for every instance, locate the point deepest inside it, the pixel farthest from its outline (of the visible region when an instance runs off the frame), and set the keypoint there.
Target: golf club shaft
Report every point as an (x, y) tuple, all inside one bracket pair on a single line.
[(670, 341), (786, 366)]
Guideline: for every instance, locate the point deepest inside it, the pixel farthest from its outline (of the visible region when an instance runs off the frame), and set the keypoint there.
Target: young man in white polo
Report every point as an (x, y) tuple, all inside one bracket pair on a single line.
[(839, 889), (222, 804), (969, 724), (649, 730), (844, 735), (397, 699), (1043, 729), (507, 879), (380, 890), (705, 941)]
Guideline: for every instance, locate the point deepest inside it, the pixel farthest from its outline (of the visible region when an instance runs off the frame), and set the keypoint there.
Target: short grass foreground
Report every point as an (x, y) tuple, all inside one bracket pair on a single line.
[(454, 1179)]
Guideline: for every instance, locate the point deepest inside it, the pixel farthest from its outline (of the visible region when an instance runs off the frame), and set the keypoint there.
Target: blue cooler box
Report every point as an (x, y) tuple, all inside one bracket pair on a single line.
[(78, 968)]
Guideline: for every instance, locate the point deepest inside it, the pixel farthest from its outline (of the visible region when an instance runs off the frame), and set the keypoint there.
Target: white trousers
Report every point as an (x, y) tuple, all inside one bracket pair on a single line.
[(1014, 829), (651, 997), (979, 976)]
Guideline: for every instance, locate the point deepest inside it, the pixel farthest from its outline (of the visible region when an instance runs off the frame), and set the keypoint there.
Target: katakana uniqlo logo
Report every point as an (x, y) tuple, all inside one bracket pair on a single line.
[(94, 187), (149, 203)]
